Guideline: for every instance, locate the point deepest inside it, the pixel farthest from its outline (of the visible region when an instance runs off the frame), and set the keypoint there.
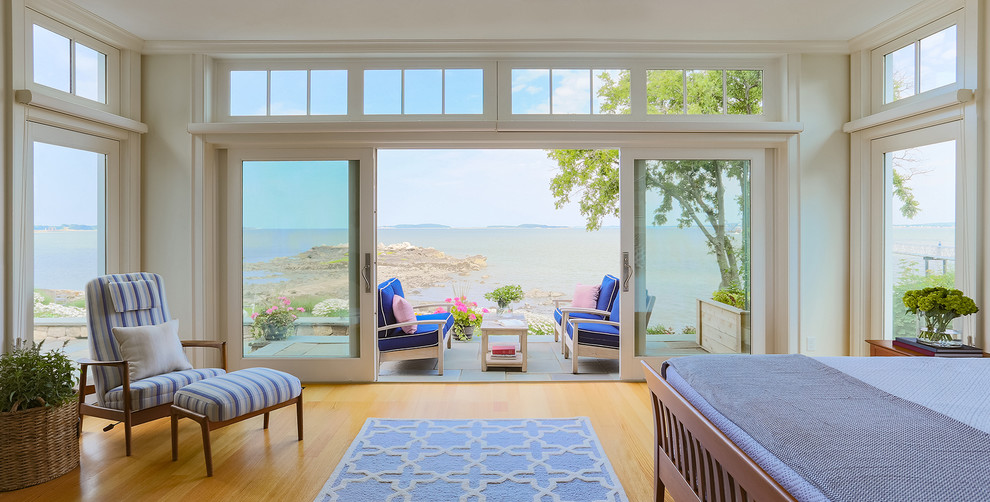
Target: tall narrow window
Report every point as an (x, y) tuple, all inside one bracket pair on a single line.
[(692, 242), (69, 237), (920, 243), (300, 268)]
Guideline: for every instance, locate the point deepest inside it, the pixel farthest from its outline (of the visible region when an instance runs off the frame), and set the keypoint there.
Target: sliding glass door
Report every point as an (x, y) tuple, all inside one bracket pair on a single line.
[(300, 271), (691, 227)]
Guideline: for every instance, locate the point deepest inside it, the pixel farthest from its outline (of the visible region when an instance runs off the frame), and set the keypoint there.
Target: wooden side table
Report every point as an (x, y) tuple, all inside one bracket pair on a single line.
[(513, 325), (886, 348)]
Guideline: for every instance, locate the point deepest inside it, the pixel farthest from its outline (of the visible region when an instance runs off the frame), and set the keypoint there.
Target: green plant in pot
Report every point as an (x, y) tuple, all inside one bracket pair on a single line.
[(936, 307), (276, 322), (467, 316), (504, 296), (39, 417)]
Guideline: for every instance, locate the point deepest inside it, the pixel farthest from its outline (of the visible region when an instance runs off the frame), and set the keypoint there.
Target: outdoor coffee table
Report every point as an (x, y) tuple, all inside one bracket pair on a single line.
[(513, 324)]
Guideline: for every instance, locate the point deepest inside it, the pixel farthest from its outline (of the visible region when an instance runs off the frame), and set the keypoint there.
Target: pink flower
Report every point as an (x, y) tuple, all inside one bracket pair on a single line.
[(472, 317), (301, 309), (447, 300), (438, 310), (254, 315), (294, 317), (286, 301), (463, 298), (462, 308), (269, 311), (474, 304), (484, 310)]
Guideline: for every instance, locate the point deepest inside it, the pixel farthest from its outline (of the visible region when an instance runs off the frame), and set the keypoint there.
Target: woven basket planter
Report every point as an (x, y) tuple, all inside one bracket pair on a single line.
[(39, 444)]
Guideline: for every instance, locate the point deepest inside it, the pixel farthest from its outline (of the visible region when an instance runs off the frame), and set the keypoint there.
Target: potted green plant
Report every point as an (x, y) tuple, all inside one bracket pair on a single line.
[(39, 417), (936, 308), (276, 322), (505, 295), (723, 321), (466, 317)]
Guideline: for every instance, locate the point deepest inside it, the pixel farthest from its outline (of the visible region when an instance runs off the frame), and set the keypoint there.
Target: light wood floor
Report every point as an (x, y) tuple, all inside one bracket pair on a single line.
[(252, 464)]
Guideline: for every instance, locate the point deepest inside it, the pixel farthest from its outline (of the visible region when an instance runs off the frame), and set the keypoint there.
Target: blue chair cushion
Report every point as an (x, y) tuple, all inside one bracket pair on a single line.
[(417, 340), (558, 316), (229, 396), (156, 390), (608, 293), (386, 292), (599, 335)]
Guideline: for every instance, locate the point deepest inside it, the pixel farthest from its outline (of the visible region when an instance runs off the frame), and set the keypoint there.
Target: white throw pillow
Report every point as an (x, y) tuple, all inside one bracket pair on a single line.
[(151, 350)]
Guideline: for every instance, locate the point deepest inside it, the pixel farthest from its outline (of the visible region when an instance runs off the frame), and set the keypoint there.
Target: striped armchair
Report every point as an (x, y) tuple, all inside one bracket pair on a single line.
[(130, 300)]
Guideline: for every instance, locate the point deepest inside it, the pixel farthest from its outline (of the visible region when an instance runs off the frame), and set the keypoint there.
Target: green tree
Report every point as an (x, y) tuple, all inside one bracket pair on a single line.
[(698, 186)]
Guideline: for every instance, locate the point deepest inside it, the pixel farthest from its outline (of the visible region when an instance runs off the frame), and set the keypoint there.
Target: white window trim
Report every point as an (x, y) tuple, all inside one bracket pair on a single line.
[(113, 89), (877, 67), (355, 88), (773, 91)]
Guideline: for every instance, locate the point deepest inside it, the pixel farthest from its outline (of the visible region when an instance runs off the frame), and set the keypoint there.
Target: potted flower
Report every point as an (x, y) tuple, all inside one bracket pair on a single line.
[(505, 295), (723, 321), (39, 416), (936, 308), (466, 317), (276, 322)]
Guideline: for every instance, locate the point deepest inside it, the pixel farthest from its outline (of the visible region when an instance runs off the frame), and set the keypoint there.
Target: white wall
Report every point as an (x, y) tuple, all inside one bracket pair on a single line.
[(166, 181), (824, 202)]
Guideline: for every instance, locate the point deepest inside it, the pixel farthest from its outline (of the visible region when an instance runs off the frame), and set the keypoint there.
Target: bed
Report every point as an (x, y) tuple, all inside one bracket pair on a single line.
[(795, 428)]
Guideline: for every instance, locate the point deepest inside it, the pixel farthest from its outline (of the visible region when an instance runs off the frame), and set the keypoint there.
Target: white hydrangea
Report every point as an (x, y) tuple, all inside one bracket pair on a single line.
[(56, 310), (539, 324), (330, 306)]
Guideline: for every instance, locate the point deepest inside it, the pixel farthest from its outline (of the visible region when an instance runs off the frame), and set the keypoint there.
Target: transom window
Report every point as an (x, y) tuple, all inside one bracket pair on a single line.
[(68, 65), (288, 92), (922, 65), (704, 92), (567, 91), (430, 91)]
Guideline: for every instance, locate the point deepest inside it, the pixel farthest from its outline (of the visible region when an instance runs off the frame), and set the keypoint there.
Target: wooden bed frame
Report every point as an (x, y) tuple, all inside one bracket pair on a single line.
[(694, 460)]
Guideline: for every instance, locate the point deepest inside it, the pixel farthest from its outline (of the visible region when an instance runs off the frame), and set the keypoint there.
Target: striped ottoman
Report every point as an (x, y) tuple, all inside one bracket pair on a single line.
[(225, 399)]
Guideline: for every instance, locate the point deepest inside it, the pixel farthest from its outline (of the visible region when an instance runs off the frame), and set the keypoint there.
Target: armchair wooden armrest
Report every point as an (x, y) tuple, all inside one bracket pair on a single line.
[(571, 310), (574, 322), (210, 344)]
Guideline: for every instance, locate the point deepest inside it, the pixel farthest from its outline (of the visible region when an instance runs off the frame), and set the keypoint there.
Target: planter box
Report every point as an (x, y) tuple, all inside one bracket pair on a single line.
[(722, 329)]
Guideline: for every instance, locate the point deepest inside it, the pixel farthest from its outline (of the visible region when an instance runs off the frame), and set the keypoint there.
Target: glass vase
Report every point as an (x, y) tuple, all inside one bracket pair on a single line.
[(935, 332)]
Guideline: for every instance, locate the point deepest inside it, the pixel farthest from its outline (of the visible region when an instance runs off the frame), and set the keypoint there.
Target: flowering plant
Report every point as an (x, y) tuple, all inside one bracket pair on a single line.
[(938, 307), (276, 321), (465, 314), (505, 295)]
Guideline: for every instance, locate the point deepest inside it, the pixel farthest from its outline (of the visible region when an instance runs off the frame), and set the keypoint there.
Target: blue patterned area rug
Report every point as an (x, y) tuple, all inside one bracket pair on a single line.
[(539, 460)]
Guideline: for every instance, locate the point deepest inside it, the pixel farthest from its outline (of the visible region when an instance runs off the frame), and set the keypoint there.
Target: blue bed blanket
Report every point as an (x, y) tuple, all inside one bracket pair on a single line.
[(847, 439)]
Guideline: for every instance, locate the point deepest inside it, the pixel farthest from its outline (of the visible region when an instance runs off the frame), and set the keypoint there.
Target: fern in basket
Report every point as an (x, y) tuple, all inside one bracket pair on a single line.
[(30, 378)]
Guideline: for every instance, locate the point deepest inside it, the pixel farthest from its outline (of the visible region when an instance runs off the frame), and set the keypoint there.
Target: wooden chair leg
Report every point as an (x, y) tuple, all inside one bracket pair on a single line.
[(207, 449), (175, 437), (574, 359), (299, 417), (266, 421), (127, 432)]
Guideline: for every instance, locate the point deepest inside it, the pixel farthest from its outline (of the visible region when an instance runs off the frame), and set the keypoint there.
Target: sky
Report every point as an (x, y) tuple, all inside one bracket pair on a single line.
[(470, 188), (934, 186), (66, 185)]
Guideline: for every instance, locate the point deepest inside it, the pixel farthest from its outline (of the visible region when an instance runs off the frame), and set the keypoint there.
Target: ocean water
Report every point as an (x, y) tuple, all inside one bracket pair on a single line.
[(678, 266)]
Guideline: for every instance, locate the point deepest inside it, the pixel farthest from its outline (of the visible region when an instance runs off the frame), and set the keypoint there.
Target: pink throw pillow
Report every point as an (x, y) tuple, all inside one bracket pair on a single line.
[(585, 296), (403, 312)]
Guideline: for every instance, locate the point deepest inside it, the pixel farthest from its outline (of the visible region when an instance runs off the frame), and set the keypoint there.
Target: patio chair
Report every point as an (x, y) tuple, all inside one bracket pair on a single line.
[(426, 341), (593, 337), (608, 293), (135, 302)]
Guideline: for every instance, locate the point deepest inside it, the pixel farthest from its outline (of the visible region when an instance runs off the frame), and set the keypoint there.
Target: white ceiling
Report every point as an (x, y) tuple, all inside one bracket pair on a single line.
[(357, 20)]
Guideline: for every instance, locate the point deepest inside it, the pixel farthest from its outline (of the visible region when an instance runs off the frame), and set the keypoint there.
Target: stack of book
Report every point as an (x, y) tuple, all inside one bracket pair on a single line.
[(503, 351), (913, 345)]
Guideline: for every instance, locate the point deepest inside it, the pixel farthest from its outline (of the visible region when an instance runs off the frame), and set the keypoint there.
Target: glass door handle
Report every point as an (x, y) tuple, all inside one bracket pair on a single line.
[(366, 272), (626, 271)]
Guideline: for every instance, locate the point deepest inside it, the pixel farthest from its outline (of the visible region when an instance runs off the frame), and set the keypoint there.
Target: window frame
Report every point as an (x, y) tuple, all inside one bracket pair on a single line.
[(355, 88), (773, 96), (112, 91), (914, 37)]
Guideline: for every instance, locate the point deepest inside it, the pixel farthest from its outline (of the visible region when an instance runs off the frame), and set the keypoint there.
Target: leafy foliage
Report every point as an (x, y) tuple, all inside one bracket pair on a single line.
[(31, 379), (505, 295), (938, 306), (731, 295), (279, 316), (910, 278)]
